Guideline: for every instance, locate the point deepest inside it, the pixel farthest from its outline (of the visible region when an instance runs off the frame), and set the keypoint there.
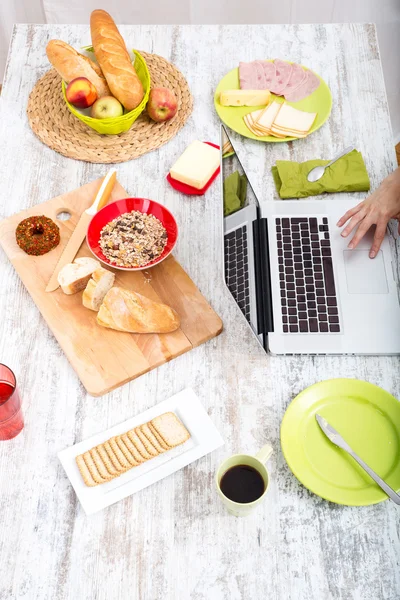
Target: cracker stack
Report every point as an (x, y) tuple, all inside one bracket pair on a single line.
[(123, 452)]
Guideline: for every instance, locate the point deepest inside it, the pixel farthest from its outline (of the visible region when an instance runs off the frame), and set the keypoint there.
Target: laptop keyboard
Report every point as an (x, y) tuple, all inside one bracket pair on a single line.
[(306, 278), (237, 268)]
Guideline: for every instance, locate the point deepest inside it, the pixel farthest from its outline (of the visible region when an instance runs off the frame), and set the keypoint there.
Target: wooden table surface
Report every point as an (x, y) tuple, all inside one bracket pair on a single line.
[(174, 540)]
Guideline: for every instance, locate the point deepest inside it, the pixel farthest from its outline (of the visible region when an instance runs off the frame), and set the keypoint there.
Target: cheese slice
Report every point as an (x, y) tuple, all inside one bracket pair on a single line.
[(261, 130), (255, 114), (286, 129), (290, 134), (250, 120), (278, 135), (196, 165), (293, 134), (292, 119), (249, 124), (269, 115), (244, 97)]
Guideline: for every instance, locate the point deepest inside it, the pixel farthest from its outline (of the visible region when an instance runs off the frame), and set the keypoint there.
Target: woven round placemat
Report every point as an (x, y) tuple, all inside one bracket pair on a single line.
[(60, 130)]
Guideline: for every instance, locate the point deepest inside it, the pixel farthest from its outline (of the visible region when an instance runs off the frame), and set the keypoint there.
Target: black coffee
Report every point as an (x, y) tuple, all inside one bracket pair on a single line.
[(242, 483)]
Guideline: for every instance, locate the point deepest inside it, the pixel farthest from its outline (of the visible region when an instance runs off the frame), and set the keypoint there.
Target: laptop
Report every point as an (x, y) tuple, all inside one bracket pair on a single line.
[(299, 287)]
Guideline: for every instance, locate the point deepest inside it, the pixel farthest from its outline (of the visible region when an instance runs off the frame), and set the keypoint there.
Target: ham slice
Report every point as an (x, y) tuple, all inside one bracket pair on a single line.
[(248, 77), (252, 76), (280, 77), (269, 73), (307, 87), (257, 75), (297, 77), (261, 83), (283, 74)]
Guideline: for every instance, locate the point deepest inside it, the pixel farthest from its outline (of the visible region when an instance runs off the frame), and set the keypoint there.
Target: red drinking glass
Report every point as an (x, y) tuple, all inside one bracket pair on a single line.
[(11, 419)]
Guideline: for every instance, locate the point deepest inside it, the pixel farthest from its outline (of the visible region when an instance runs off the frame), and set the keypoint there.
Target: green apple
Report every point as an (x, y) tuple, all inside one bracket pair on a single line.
[(106, 107)]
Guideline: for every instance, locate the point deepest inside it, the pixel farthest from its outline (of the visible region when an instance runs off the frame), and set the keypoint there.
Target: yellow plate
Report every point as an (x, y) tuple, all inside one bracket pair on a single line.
[(319, 101)]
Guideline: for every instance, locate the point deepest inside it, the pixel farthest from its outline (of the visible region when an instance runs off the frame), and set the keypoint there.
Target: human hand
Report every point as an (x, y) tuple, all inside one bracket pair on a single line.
[(381, 206)]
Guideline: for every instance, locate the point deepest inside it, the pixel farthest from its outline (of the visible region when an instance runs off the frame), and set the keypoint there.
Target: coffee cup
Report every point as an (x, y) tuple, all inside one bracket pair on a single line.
[(242, 481)]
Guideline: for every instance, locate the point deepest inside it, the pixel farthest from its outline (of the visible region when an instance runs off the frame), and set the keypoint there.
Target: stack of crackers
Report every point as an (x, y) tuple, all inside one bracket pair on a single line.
[(131, 449), (280, 120)]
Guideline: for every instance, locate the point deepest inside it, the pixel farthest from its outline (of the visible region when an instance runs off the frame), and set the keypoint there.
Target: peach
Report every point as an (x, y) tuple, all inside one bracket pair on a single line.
[(81, 92), (162, 104)]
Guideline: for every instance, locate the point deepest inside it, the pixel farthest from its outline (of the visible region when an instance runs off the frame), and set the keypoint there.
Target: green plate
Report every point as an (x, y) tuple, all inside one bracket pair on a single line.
[(367, 417), (319, 101)]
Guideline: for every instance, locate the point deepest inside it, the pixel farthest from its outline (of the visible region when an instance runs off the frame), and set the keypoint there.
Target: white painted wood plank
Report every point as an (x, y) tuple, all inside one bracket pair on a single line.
[(174, 540)]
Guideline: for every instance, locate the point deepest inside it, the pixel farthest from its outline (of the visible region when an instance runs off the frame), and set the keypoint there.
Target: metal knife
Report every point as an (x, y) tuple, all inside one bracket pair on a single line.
[(337, 439), (79, 233)]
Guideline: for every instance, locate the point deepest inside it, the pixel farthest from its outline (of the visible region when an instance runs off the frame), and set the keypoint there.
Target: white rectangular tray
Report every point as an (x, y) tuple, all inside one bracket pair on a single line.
[(204, 439)]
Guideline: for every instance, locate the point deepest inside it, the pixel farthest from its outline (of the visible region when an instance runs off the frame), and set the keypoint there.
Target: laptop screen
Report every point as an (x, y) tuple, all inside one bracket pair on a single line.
[(237, 191), (241, 214)]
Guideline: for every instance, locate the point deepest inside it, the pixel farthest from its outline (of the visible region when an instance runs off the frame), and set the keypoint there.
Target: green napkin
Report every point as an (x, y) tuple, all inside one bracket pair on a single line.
[(348, 174), (235, 188)]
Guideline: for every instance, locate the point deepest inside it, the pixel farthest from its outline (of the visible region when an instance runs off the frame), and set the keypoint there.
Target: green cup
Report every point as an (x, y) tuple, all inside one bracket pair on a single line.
[(258, 461)]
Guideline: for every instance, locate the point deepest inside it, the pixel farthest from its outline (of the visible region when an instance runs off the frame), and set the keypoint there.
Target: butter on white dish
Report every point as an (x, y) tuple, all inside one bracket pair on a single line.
[(196, 165)]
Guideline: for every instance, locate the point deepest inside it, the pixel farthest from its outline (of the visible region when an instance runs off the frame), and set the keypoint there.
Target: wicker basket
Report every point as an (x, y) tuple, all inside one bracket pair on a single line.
[(115, 125)]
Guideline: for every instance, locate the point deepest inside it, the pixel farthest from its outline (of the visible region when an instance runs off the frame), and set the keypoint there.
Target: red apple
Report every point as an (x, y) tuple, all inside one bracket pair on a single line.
[(81, 92), (162, 104)]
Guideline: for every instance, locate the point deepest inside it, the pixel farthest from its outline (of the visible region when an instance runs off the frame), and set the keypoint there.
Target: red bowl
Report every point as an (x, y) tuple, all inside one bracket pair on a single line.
[(118, 208)]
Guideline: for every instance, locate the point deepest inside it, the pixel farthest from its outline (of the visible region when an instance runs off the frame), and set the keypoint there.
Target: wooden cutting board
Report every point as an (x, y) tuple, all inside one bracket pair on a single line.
[(105, 359)]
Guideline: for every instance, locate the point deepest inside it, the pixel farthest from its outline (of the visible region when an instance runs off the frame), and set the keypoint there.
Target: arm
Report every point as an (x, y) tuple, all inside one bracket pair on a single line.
[(381, 206)]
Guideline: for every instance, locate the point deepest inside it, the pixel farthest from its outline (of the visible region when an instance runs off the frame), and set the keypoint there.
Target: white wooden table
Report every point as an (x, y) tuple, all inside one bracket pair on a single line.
[(174, 540)]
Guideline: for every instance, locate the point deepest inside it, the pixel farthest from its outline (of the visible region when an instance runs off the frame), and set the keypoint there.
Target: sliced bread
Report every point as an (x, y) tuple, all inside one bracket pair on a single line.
[(74, 277), (98, 286)]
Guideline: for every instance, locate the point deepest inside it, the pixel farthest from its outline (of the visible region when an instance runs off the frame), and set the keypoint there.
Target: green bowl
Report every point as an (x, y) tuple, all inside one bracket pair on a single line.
[(115, 125)]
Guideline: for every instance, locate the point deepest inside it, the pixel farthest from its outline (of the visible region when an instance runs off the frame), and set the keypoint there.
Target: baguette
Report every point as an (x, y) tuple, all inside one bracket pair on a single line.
[(70, 64), (74, 277), (114, 60), (97, 287), (127, 311)]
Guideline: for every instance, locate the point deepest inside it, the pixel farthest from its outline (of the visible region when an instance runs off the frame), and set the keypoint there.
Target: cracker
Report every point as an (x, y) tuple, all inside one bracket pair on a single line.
[(170, 428), (132, 448), (101, 467), (158, 437), (152, 438), (113, 457), (149, 447), (84, 471), (124, 461), (126, 452), (136, 441), (107, 461), (92, 468)]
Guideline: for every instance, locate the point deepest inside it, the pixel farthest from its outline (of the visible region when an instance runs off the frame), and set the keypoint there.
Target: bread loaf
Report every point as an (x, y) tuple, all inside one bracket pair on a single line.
[(114, 60), (70, 64), (97, 287), (128, 311), (75, 276)]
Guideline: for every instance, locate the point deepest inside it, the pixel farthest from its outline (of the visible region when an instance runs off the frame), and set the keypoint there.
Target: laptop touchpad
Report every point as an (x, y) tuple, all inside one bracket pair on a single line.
[(365, 275)]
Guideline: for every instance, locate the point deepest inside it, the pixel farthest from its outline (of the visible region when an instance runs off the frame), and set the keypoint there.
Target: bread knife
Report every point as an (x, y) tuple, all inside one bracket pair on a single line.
[(337, 439), (79, 233)]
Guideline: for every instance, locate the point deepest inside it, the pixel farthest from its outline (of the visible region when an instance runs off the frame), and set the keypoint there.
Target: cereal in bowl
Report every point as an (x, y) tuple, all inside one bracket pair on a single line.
[(133, 239)]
